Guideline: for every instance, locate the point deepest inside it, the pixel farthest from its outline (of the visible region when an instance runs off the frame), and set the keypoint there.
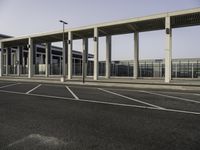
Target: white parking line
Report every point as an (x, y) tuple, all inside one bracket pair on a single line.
[(173, 92), (136, 100), (33, 89), (168, 92), (105, 103), (174, 97), (9, 85), (73, 94)]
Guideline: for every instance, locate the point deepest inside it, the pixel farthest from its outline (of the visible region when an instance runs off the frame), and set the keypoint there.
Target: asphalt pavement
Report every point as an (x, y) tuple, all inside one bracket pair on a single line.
[(51, 116)]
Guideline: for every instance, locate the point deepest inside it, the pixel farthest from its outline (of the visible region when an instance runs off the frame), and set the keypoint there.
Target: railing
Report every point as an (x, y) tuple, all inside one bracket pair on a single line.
[(180, 69)]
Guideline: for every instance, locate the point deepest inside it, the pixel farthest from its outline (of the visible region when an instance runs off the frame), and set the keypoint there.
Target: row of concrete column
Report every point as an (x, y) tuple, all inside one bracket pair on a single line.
[(67, 51)]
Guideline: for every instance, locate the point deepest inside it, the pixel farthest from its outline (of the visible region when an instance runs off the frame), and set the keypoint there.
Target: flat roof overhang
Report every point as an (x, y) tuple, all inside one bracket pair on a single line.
[(179, 19)]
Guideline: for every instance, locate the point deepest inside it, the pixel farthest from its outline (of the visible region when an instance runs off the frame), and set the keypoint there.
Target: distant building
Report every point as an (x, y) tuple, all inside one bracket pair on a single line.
[(10, 57), (155, 68)]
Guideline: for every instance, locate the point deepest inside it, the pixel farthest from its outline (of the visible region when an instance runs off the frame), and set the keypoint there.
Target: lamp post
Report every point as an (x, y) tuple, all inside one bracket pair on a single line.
[(63, 64), (83, 65)]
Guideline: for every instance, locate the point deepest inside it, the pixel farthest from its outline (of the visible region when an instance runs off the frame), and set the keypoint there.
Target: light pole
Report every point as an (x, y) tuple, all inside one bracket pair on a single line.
[(83, 64), (64, 55)]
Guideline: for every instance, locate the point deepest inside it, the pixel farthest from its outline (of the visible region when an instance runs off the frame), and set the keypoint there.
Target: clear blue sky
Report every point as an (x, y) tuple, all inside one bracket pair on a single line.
[(22, 17)]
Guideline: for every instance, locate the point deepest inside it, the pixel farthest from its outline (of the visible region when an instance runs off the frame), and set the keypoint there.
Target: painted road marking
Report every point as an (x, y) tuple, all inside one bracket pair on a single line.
[(165, 92), (73, 94), (136, 100), (106, 103), (33, 89), (9, 85), (197, 94), (174, 97)]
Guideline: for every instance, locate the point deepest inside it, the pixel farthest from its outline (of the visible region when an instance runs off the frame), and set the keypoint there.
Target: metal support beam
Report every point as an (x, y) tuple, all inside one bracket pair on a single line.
[(136, 55), (96, 54), (70, 47), (168, 50), (108, 55), (102, 31), (132, 27)]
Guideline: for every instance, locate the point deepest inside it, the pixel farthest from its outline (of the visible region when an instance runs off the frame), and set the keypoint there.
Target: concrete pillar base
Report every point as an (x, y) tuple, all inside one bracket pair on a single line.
[(62, 79)]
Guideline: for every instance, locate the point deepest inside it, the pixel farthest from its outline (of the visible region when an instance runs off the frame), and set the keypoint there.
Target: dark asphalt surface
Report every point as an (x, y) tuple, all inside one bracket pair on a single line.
[(98, 95), (20, 87), (35, 123), (55, 90), (162, 101)]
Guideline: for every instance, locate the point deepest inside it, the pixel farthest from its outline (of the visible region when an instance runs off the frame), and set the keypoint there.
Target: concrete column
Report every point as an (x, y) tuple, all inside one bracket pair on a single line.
[(41, 58), (21, 58), (30, 58), (168, 50), (19, 54), (64, 62), (9, 60), (1, 59), (84, 57), (24, 62), (136, 54), (60, 65), (192, 70), (47, 58), (34, 58), (96, 54), (70, 46), (51, 63), (66, 57), (176, 70), (108, 56), (7, 55)]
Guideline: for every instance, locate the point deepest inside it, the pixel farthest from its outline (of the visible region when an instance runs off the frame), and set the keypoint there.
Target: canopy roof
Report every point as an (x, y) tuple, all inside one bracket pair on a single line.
[(179, 19)]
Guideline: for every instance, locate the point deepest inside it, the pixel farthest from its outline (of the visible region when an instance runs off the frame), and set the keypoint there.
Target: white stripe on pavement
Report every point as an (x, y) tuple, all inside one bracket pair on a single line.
[(9, 85), (174, 97), (174, 92), (33, 89), (136, 100), (73, 94), (106, 103)]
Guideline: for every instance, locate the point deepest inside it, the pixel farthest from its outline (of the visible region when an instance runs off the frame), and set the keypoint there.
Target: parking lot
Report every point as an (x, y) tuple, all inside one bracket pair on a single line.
[(50, 116)]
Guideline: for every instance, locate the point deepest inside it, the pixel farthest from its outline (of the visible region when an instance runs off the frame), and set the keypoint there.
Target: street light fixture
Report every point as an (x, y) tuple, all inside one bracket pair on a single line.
[(64, 23)]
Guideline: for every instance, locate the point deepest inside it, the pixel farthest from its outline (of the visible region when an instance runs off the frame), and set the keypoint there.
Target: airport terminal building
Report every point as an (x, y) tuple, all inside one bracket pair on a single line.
[(36, 56)]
